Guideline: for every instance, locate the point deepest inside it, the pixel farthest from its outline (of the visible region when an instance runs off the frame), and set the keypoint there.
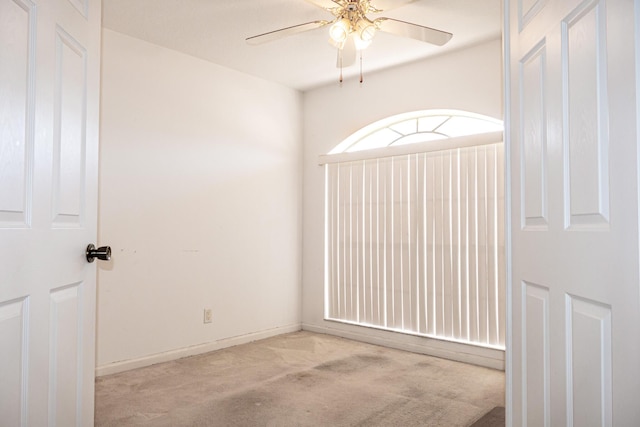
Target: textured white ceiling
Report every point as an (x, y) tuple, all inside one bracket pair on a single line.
[(215, 30)]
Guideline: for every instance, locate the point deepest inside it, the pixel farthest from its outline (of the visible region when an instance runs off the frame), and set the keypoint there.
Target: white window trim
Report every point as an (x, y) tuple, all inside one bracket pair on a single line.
[(420, 147)]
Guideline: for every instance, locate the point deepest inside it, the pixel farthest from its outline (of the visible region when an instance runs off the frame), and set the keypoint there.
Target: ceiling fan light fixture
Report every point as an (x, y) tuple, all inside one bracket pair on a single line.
[(365, 30), (363, 34), (340, 30)]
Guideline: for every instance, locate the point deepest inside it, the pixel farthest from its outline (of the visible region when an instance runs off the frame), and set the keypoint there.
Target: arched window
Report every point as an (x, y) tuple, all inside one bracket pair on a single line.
[(418, 126), (415, 227)]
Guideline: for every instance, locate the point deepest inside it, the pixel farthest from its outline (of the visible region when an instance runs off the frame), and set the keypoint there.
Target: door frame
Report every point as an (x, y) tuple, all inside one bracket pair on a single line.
[(506, 87)]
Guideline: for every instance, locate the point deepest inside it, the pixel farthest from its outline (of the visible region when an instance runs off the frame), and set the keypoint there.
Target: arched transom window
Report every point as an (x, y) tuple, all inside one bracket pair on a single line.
[(418, 126)]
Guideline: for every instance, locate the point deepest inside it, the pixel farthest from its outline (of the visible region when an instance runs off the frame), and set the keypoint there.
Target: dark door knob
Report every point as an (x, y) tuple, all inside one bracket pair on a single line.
[(103, 253)]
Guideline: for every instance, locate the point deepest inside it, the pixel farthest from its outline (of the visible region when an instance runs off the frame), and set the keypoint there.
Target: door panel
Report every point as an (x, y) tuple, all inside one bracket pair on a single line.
[(50, 56), (13, 336), (17, 27), (535, 353), (588, 351), (532, 73), (65, 341), (586, 116), (574, 213), (69, 137)]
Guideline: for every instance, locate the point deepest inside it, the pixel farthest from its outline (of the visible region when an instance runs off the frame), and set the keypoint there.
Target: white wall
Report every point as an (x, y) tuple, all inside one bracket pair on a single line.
[(200, 200), (469, 79)]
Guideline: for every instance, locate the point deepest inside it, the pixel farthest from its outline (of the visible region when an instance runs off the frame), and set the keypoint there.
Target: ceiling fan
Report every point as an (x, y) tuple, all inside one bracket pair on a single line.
[(352, 30)]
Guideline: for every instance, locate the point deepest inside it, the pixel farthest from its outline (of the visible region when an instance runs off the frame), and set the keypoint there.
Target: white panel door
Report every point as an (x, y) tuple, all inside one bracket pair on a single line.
[(49, 88), (575, 357)]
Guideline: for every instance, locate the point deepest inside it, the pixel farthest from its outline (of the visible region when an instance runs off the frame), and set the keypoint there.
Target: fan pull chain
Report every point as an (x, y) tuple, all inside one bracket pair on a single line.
[(340, 56), (361, 77)]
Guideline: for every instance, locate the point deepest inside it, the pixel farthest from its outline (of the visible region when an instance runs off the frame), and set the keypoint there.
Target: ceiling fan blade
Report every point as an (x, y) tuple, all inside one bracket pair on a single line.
[(384, 5), (414, 31), (284, 32), (347, 54), (327, 4)]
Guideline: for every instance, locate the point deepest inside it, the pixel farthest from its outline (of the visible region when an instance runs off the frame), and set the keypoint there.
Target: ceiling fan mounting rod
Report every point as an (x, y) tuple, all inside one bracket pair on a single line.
[(353, 16)]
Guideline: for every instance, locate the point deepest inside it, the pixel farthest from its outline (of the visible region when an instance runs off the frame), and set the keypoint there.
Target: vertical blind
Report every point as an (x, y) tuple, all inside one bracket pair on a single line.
[(415, 243)]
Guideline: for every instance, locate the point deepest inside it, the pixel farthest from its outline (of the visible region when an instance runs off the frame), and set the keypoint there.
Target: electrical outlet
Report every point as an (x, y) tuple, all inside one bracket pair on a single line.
[(208, 315)]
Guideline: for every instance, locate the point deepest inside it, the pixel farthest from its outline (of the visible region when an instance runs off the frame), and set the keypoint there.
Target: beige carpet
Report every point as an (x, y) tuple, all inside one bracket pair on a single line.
[(493, 418), (301, 379)]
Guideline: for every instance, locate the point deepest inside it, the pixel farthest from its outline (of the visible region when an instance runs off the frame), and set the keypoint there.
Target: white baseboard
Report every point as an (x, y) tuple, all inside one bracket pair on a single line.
[(460, 352), (126, 365), (490, 358)]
